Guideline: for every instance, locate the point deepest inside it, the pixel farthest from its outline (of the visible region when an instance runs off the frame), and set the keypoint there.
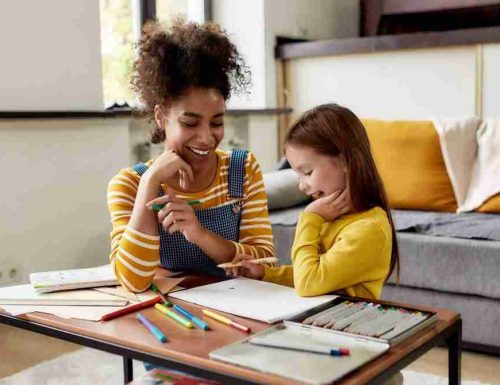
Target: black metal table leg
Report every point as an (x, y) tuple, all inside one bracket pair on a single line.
[(128, 370), (454, 343)]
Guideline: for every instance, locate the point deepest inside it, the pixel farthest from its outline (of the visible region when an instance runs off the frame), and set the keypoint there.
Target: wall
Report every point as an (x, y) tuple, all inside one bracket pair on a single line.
[(255, 24), (244, 21), (53, 196), (490, 78), (311, 20), (51, 57), (405, 84)]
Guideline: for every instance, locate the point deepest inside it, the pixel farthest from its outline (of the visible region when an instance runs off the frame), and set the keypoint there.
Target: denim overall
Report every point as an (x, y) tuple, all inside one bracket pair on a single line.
[(176, 253)]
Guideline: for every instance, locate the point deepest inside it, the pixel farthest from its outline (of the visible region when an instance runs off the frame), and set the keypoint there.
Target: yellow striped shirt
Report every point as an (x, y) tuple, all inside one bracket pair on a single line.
[(136, 255)]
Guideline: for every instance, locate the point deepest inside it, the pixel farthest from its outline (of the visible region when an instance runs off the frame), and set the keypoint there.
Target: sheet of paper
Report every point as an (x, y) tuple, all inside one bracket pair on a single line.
[(167, 284), (118, 291), (26, 295), (89, 313)]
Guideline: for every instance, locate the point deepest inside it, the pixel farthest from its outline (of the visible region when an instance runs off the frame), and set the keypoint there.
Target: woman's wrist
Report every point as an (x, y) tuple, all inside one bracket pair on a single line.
[(149, 179), (200, 236)]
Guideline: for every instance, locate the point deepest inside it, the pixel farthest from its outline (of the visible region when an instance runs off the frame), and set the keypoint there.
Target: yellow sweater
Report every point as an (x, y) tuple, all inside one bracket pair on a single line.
[(136, 255), (351, 254)]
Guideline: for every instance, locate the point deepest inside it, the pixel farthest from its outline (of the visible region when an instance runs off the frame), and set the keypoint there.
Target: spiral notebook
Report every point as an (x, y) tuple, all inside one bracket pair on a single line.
[(250, 298)]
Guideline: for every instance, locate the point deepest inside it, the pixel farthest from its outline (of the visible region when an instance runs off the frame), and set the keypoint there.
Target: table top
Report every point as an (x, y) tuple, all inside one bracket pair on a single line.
[(192, 346)]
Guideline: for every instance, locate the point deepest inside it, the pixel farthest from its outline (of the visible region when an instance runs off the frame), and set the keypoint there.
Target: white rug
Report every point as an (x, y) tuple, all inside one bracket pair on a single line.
[(78, 368)]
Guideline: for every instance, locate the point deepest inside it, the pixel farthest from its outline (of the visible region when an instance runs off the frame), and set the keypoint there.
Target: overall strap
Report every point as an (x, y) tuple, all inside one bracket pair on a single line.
[(140, 168), (236, 173)]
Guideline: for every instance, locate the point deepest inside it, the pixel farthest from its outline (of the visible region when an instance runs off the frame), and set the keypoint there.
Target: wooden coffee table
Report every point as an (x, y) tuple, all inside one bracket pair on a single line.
[(188, 350)]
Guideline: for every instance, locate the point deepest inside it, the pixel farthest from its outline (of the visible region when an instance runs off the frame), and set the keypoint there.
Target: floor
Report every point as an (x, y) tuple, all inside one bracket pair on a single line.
[(27, 349)]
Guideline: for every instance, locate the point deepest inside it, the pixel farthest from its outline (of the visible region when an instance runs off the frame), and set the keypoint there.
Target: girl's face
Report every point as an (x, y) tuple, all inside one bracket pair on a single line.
[(319, 174), (194, 124)]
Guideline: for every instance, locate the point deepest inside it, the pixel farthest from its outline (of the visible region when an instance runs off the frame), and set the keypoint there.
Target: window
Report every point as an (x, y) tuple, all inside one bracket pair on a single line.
[(117, 49), (120, 31)]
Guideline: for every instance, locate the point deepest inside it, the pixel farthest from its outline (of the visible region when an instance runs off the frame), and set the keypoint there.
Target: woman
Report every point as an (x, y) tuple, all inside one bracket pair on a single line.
[(213, 203)]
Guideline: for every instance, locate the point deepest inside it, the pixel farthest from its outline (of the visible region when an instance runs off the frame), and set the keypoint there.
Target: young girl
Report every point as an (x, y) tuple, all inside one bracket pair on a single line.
[(214, 202), (345, 239)]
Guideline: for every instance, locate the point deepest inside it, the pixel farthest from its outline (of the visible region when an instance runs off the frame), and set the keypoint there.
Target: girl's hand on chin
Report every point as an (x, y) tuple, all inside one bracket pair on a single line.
[(332, 206), (168, 164)]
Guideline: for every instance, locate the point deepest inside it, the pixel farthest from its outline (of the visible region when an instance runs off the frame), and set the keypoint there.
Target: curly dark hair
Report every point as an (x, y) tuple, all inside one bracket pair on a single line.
[(185, 55)]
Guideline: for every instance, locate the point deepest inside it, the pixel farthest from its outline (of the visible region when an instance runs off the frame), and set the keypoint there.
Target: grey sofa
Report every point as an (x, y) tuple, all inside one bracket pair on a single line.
[(443, 264)]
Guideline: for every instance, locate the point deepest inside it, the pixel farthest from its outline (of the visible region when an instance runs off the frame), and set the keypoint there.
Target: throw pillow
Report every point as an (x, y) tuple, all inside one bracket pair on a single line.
[(492, 205), (409, 159)]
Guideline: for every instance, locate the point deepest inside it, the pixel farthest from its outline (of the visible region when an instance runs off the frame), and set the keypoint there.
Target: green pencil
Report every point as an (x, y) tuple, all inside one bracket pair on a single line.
[(162, 296), (158, 207), (176, 317)]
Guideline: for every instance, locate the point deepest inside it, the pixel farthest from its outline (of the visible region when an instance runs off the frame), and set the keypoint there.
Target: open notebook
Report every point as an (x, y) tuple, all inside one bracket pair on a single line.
[(250, 298)]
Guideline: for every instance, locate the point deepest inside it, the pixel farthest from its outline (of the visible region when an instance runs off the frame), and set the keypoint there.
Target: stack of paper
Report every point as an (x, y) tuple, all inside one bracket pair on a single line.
[(88, 304)]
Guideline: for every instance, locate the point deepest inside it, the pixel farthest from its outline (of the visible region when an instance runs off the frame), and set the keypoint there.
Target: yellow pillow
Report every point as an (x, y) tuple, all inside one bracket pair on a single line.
[(492, 205), (409, 160)]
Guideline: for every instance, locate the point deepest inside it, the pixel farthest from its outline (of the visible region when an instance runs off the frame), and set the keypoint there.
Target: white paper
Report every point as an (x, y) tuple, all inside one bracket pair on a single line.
[(26, 295), (90, 313)]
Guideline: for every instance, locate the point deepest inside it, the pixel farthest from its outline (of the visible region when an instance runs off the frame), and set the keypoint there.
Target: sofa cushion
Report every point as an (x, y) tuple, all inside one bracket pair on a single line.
[(454, 265), (480, 315), (409, 159)]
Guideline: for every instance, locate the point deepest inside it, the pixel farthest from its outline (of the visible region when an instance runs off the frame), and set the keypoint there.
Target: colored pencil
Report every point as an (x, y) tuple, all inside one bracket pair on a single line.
[(130, 309), (226, 321), (256, 261), (176, 317), (163, 297), (152, 328)]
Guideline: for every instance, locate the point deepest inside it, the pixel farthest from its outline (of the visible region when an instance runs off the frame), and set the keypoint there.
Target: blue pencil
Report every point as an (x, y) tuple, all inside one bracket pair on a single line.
[(152, 328), (198, 322)]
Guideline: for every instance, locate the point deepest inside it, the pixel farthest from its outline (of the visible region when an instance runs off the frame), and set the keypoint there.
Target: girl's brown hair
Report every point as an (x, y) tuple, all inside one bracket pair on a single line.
[(332, 130), (185, 55)]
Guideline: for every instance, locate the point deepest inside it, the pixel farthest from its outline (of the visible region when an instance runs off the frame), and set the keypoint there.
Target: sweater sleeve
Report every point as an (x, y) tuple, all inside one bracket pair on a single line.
[(282, 275), (134, 255), (256, 237), (356, 256)]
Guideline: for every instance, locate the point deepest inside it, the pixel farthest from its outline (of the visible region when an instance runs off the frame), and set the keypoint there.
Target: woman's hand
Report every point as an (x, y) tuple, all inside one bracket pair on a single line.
[(178, 215), (248, 269), (169, 164), (331, 206)]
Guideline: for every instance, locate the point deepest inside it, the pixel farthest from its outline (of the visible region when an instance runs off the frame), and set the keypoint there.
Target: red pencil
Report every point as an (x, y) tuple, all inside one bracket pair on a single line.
[(131, 309)]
